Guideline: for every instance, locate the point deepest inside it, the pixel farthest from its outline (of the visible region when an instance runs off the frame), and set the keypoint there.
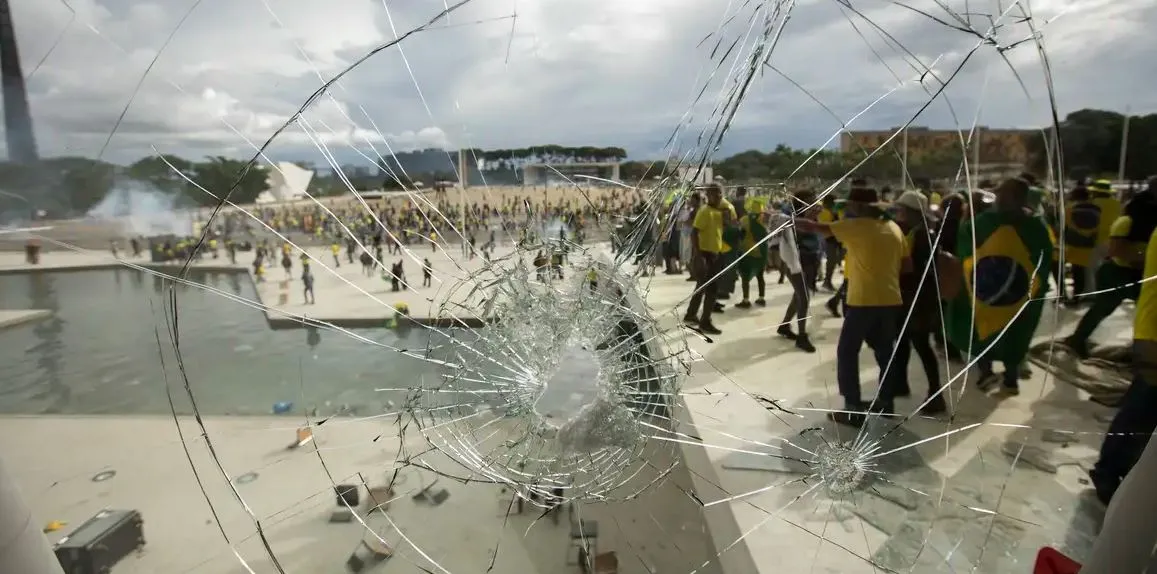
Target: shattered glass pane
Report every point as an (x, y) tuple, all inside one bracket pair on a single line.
[(475, 372)]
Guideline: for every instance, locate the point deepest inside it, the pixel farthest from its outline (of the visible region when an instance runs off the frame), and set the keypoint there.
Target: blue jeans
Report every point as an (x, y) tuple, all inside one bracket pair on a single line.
[(876, 326)]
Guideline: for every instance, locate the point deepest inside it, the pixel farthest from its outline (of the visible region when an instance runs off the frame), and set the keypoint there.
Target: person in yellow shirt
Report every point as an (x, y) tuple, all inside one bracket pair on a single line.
[(707, 249), (1102, 196), (1136, 420), (1119, 276), (875, 254)]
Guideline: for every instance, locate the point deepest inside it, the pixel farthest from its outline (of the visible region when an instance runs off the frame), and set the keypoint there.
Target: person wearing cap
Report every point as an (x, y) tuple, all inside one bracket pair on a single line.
[(1005, 278), (1136, 418), (921, 314), (1119, 276), (875, 256)]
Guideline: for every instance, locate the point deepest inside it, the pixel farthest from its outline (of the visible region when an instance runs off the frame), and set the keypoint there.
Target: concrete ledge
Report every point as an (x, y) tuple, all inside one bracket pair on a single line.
[(14, 318), (281, 323), (277, 319)]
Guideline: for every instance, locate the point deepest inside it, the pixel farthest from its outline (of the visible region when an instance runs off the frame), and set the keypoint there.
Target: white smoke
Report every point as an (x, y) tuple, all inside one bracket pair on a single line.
[(142, 209)]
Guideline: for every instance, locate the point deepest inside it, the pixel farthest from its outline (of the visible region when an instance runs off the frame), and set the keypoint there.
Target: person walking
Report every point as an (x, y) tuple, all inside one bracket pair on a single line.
[(875, 257), (706, 257), (921, 314), (307, 284), (1136, 417)]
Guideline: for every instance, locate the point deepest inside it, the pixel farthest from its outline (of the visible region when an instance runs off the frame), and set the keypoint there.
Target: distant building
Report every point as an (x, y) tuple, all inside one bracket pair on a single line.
[(562, 173), (685, 173), (287, 182), (998, 147)]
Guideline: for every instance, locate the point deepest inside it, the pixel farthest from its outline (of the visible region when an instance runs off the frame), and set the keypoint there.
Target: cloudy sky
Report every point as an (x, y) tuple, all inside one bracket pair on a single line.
[(572, 72)]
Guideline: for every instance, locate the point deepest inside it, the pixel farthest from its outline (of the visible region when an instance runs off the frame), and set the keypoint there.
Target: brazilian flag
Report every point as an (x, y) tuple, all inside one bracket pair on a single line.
[(1008, 270), (1082, 223)]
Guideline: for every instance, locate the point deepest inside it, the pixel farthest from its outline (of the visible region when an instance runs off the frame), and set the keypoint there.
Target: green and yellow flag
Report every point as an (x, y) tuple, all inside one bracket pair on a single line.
[(1008, 270)]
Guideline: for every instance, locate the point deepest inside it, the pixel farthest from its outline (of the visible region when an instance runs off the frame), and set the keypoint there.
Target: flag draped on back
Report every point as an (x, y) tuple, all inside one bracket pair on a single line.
[(1007, 270)]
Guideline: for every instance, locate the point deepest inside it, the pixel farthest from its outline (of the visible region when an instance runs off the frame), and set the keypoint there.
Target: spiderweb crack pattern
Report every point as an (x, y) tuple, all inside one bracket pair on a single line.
[(487, 413)]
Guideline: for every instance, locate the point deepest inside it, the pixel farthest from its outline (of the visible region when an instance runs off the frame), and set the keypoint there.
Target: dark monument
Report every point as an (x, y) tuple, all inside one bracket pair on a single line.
[(17, 118)]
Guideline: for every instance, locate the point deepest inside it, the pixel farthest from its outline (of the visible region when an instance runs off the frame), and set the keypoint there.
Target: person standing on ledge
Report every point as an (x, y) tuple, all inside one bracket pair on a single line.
[(874, 248)]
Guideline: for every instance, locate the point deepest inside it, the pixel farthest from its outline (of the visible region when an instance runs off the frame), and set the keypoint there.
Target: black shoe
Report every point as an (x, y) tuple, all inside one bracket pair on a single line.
[(1104, 486), (689, 320), (709, 329), (761, 302), (691, 279), (881, 407), (1024, 372), (935, 406), (744, 304), (829, 287), (804, 344), (786, 332), (854, 418), (833, 306), (1077, 347), (988, 381), (718, 308), (781, 279)]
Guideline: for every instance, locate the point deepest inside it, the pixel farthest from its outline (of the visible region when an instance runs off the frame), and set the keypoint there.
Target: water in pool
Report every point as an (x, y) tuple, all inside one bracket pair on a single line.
[(99, 353)]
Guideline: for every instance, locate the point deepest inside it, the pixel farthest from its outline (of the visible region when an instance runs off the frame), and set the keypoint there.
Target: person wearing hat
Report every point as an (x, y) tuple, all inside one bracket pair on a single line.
[(921, 305), (875, 257), (1005, 277), (1119, 276)]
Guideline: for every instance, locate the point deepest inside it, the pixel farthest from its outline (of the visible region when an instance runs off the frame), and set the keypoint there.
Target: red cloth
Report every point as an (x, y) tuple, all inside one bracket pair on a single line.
[(1049, 561)]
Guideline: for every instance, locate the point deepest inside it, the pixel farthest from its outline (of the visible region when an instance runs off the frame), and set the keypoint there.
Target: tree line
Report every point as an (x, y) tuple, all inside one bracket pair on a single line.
[(69, 186), (1091, 145)]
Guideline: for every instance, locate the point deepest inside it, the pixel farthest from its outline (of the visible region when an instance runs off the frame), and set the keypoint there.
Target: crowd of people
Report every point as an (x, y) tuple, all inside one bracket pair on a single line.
[(409, 219), (966, 275)]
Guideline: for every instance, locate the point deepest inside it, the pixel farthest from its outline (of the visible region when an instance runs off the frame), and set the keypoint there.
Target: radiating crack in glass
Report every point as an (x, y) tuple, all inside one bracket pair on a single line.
[(575, 393)]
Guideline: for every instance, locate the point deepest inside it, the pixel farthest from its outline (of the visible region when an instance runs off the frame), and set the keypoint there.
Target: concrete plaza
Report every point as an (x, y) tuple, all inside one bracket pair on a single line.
[(983, 489), (990, 485)]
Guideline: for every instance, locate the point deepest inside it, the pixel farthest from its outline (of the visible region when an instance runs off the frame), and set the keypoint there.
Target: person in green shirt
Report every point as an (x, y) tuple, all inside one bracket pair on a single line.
[(753, 254)]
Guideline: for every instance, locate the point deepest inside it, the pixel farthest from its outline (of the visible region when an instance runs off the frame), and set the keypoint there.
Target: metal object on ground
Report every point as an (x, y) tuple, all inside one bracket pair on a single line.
[(102, 541), (103, 475)]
